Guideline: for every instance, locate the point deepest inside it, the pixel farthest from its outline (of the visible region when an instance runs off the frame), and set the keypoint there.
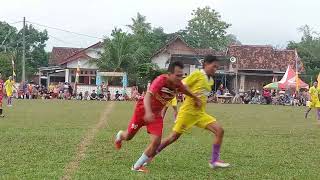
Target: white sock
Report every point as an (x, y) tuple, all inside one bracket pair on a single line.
[(140, 161), (118, 136)]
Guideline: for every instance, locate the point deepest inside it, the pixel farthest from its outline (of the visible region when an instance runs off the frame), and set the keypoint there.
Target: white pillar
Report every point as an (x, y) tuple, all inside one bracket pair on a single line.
[(242, 82), (192, 68), (66, 75)]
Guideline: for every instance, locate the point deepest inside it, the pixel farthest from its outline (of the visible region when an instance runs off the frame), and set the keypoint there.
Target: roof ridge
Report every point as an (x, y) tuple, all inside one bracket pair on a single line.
[(80, 51)]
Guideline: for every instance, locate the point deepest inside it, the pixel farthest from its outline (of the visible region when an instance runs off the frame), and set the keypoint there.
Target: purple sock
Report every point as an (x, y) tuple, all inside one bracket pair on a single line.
[(159, 149), (318, 113), (215, 153)]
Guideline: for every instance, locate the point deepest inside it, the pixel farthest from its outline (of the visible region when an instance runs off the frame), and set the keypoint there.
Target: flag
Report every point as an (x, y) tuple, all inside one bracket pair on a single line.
[(76, 81), (297, 71), (13, 72), (297, 82), (77, 73), (318, 79)]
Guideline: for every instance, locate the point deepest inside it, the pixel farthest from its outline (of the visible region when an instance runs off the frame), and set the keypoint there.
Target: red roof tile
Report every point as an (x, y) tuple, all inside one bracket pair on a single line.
[(58, 54), (62, 55), (264, 57), (203, 52)]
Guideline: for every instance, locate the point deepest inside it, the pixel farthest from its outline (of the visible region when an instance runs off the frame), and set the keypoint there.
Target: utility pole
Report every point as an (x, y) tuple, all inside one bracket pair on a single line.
[(23, 78)]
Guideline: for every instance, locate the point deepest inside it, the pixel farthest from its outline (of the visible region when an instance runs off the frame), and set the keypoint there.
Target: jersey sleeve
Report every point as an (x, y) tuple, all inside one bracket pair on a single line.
[(181, 87), (191, 79), (157, 84)]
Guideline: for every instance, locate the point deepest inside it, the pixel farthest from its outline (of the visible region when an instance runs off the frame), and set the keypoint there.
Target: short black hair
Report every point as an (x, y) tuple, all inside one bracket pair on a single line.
[(210, 59), (175, 64)]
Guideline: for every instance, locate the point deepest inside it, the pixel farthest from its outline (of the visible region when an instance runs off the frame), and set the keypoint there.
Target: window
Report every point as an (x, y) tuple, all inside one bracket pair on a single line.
[(73, 79), (81, 79), (93, 80)]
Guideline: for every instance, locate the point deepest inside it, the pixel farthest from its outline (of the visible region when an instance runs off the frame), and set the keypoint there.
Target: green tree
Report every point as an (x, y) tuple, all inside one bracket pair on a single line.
[(206, 29), (309, 50), (11, 42), (139, 25), (121, 54), (5, 65)]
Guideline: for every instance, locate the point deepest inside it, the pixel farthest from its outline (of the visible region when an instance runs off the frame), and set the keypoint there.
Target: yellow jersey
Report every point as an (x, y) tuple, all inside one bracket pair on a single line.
[(198, 83), (9, 85)]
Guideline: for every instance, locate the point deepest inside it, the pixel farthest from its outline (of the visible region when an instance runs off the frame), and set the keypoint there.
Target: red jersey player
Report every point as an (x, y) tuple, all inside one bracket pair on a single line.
[(1, 94), (148, 111)]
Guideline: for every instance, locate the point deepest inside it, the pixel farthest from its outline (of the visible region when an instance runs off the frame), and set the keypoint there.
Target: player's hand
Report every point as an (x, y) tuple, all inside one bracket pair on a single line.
[(148, 117), (198, 102)]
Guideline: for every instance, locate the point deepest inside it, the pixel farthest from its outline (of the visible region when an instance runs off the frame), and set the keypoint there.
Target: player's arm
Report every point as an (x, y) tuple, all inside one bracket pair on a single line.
[(154, 89), (147, 107), (185, 90), (190, 81)]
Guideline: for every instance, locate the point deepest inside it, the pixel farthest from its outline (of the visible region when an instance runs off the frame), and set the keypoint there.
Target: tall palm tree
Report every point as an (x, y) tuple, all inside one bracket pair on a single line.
[(139, 25)]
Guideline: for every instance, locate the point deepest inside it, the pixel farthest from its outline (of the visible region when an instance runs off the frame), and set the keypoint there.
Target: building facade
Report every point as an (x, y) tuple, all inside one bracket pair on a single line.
[(254, 66)]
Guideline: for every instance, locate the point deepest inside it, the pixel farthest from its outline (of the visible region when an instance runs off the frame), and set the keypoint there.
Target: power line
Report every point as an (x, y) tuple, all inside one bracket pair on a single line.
[(59, 29), (58, 39)]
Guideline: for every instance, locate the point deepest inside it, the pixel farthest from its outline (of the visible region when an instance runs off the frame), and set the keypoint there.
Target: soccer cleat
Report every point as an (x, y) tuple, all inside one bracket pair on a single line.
[(218, 164), (1, 116), (118, 141), (148, 161), (140, 169)]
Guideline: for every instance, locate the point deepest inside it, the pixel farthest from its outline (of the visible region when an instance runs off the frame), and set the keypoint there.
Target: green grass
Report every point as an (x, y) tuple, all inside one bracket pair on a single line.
[(38, 138)]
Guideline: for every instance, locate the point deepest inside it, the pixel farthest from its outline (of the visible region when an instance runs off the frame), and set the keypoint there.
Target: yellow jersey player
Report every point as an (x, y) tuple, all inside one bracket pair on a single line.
[(314, 98), (199, 82), (1, 95), (9, 86)]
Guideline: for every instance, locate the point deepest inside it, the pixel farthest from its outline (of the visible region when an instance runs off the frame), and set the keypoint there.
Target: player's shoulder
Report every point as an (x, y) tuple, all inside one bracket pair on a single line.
[(162, 77), (196, 73)]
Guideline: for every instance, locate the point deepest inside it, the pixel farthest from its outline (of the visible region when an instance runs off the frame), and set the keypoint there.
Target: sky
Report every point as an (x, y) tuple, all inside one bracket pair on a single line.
[(257, 22)]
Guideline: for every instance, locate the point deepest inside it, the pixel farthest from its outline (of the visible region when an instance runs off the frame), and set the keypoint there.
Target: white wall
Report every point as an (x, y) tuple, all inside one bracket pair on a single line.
[(161, 60), (84, 64), (94, 53)]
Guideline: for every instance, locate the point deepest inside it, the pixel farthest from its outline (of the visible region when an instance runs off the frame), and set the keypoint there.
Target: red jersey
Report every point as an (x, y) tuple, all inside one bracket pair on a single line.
[(1, 87), (163, 91)]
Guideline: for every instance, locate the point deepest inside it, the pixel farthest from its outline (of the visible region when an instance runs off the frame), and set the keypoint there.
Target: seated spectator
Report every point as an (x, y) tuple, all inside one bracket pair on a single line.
[(93, 95), (86, 96), (80, 96), (60, 96), (108, 96), (121, 98), (117, 95), (267, 95)]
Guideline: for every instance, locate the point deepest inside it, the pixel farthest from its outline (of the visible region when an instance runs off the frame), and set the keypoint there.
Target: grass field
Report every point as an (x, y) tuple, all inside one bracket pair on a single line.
[(38, 139)]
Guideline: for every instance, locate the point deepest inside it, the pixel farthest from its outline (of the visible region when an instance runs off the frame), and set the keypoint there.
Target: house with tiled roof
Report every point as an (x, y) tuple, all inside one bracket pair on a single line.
[(255, 65), (64, 61)]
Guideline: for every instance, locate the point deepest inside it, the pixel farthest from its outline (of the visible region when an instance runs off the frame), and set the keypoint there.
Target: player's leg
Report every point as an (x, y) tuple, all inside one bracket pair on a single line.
[(183, 123), (307, 112), (134, 125), (175, 111), (149, 152), (164, 111), (155, 131), (10, 99), (1, 110), (173, 137), (218, 131), (318, 115), (310, 106)]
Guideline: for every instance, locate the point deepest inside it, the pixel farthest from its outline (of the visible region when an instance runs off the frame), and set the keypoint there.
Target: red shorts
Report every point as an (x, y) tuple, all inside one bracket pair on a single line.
[(155, 127), (1, 100)]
